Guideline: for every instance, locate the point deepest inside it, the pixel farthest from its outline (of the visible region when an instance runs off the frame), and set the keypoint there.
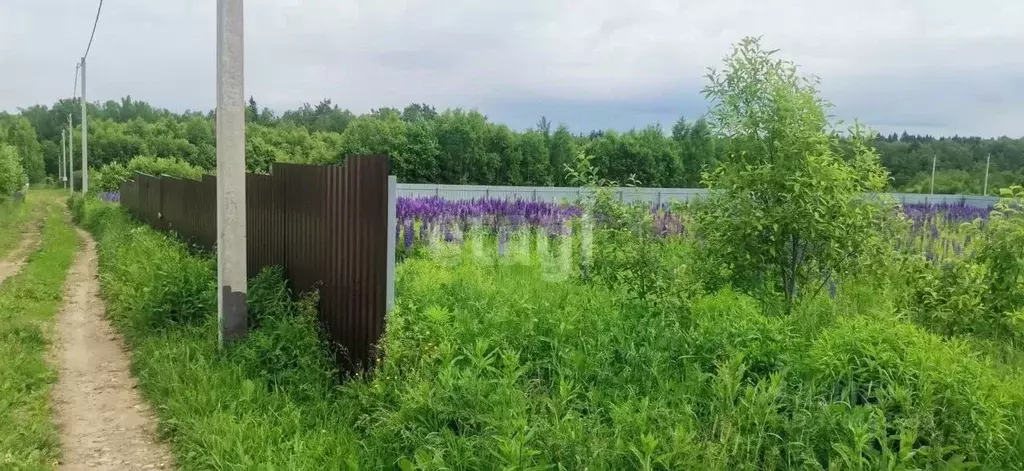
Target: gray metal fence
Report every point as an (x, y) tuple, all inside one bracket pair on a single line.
[(653, 195)]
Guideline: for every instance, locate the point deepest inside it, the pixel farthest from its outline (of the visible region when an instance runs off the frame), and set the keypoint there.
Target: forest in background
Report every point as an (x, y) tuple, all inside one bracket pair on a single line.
[(457, 146)]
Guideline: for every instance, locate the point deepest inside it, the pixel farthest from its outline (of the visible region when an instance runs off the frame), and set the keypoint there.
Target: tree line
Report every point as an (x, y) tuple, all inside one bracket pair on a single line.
[(459, 146)]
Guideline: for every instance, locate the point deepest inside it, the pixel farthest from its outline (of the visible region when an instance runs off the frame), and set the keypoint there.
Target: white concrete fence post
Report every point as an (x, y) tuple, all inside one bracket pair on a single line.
[(392, 229)]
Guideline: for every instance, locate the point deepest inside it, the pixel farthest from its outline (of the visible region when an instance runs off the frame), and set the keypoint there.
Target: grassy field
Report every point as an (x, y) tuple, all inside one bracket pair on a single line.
[(28, 303), (491, 364)]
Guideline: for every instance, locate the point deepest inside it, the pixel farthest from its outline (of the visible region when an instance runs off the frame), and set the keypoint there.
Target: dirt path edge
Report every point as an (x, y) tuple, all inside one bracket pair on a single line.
[(30, 240), (104, 422)]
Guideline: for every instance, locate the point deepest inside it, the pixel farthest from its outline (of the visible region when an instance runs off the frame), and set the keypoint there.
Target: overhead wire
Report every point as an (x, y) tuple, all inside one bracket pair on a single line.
[(93, 35), (88, 47), (77, 66)]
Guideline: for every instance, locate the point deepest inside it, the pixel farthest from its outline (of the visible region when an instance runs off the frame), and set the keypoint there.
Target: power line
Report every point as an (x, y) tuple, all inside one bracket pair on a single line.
[(76, 81), (94, 23)]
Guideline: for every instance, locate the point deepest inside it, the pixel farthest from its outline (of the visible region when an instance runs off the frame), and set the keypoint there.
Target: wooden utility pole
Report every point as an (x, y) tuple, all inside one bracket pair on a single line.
[(231, 249)]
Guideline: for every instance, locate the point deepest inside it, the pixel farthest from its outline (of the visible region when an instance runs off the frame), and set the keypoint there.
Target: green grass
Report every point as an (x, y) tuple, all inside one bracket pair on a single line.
[(494, 366), (28, 303), (13, 217)]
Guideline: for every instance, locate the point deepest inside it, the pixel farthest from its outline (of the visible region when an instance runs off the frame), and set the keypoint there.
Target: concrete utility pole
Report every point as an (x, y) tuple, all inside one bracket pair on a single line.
[(71, 156), (932, 190), (231, 244), (988, 160), (63, 157), (85, 138)]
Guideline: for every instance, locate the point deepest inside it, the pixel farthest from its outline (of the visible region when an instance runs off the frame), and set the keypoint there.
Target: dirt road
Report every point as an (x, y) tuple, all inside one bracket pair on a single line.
[(104, 422)]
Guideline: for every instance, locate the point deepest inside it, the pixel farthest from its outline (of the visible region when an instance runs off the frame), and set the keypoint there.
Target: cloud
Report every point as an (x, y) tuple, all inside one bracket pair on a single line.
[(922, 65)]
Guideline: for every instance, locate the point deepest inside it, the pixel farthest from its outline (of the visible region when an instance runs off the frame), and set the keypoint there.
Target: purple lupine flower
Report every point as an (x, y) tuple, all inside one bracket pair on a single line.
[(110, 196), (407, 232)]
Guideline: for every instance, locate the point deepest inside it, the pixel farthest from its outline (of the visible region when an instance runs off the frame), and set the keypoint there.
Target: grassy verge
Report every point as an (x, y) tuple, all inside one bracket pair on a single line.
[(13, 217), (28, 302)]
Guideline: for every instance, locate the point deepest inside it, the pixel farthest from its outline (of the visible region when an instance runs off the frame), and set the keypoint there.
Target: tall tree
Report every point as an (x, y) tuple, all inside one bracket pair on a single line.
[(252, 111), (788, 212)]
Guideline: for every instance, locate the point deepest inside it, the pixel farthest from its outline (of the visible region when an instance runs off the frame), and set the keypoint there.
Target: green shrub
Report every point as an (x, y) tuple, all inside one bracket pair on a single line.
[(158, 166), (786, 212), (619, 248), (1002, 251), (980, 293), (286, 346), (110, 176), (949, 298), (12, 175), (764, 343), (902, 390)]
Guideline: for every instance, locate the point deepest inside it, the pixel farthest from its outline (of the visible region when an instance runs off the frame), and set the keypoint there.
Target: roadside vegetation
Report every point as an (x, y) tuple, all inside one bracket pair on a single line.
[(14, 216), (28, 303)]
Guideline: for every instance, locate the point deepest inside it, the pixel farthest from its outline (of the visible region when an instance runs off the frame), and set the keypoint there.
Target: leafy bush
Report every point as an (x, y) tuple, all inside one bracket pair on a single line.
[(286, 344), (12, 175), (786, 212), (910, 397), (978, 293), (157, 166), (111, 175), (619, 248), (948, 298), (1002, 251), (108, 178)]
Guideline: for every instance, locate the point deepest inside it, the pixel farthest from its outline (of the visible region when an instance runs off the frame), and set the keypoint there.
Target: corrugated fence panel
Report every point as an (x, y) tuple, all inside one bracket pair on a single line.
[(364, 239), (173, 210), (327, 226), (206, 211), (265, 245)]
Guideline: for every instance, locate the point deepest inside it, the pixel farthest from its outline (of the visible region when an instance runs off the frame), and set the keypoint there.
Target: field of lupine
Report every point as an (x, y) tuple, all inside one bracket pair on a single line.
[(934, 229), (641, 361)]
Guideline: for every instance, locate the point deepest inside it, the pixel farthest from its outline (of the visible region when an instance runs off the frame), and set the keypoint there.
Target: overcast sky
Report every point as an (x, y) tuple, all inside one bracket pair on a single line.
[(929, 66)]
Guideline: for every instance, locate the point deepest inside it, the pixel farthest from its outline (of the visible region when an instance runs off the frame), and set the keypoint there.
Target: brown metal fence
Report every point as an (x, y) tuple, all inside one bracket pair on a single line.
[(326, 225)]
